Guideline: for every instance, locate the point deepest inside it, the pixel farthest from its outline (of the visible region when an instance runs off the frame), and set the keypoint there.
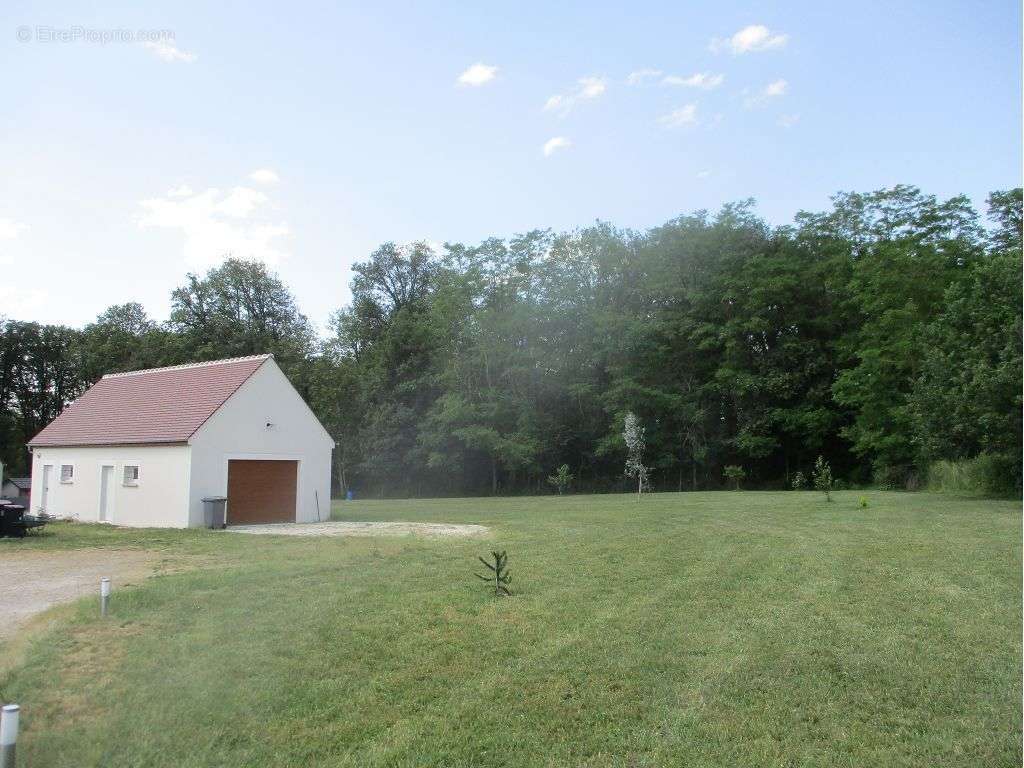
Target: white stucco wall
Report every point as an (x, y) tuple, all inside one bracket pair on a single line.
[(239, 431), (159, 500)]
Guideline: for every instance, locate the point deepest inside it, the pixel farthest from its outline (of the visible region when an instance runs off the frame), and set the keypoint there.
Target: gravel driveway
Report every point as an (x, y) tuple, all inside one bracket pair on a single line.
[(31, 582), (362, 529)]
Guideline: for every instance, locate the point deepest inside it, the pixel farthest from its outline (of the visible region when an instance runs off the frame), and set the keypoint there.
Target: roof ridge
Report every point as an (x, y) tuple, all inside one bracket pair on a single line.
[(264, 356)]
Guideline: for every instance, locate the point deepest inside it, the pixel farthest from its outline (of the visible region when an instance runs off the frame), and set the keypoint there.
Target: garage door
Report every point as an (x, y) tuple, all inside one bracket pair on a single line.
[(261, 491)]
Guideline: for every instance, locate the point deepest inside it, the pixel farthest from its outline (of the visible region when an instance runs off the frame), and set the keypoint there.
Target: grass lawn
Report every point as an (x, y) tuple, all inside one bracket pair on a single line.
[(732, 629)]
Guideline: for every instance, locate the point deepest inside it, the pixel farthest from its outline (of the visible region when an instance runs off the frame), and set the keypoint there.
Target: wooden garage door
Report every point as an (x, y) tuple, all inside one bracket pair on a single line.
[(261, 491)]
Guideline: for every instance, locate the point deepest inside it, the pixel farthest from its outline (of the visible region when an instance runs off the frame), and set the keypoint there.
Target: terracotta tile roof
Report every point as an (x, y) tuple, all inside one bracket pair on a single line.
[(159, 405)]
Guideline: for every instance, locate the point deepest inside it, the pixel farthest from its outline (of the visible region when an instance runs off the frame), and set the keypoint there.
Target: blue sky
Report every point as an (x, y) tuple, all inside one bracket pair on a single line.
[(307, 134)]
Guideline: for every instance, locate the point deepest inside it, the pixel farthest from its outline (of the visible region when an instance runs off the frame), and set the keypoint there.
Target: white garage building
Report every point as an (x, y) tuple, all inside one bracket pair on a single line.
[(144, 448)]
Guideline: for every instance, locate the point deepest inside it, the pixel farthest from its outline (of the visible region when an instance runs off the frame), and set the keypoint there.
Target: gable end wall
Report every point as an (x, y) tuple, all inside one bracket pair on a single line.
[(238, 431)]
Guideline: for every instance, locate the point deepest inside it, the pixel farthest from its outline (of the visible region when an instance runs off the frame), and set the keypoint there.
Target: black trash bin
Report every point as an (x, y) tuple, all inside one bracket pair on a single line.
[(10, 519), (214, 511)]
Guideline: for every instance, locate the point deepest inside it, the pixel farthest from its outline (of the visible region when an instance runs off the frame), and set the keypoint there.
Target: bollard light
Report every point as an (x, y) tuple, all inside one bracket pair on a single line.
[(104, 595), (8, 734)]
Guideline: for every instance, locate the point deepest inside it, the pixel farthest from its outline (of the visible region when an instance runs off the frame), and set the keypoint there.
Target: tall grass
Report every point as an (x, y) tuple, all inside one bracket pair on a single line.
[(987, 474)]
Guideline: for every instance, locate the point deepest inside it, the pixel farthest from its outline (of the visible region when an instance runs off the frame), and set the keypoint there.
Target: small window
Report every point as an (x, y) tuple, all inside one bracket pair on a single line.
[(67, 473), (131, 474)]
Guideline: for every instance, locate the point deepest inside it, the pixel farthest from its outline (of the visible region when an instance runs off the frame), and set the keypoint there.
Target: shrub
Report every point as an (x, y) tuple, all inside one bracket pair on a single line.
[(735, 474), (823, 477), (561, 479), (799, 481), (863, 502)]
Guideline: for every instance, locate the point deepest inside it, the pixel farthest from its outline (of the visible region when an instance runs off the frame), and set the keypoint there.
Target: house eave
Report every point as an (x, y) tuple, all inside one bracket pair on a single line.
[(119, 444)]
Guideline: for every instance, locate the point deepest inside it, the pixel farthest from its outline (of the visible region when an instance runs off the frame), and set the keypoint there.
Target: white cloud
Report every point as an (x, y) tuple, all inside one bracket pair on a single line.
[(553, 145), (168, 52), (755, 37), (703, 174), (477, 74), (641, 76), (216, 224), (592, 87), (11, 229), (264, 176), (553, 102), (680, 118), (587, 88), (773, 90), (240, 202), (788, 121), (703, 80), (182, 190)]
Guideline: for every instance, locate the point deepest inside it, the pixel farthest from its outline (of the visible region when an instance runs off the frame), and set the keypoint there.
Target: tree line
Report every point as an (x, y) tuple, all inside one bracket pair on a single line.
[(883, 334)]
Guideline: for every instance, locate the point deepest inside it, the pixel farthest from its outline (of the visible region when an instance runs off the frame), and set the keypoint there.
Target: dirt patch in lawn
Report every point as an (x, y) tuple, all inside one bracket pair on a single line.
[(442, 530), (32, 582)]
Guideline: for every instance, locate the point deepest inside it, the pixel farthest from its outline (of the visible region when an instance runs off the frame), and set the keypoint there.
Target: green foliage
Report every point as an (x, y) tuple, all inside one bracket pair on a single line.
[(907, 249), (735, 474), (863, 501), (967, 399), (822, 477), (882, 334), (799, 481), (500, 577), (240, 308), (562, 479), (634, 435), (40, 372), (983, 475)]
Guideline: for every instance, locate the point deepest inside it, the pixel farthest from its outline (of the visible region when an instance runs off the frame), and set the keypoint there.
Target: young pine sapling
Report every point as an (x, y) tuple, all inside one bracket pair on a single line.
[(500, 575)]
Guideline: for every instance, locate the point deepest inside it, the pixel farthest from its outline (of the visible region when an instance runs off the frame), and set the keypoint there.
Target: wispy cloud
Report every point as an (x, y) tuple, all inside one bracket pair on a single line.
[(11, 229), (587, 88), (682, 117), (264, 176), (773, 90), (703, 174), (788, 121), (217, 223), (169, 52), (703, 80), (477, 74), (641, 76), (553, 145), (755, 37)]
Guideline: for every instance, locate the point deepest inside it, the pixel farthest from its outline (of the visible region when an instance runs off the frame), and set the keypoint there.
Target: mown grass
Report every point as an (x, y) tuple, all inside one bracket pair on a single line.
[(739, 629)]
